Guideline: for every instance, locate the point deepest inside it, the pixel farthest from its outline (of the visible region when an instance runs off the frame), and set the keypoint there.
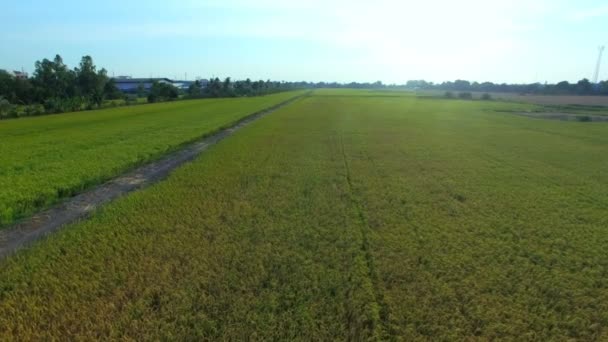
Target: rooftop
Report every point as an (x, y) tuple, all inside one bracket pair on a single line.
[(141, 80)]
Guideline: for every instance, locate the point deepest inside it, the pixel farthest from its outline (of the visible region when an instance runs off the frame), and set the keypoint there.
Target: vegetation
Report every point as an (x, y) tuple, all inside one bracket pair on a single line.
[(54, 88), (347, 215), (227, 88), (582, 87), (465, 95), (58, 88), (162, 92), (47, 158)]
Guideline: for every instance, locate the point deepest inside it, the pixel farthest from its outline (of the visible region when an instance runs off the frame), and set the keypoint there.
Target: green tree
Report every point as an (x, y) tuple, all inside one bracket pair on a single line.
[(161, 91), (7, 85), (214, 88), (5, 107), (53, 80), (584, 87), (111, 91), (141, 90), (195, 89), (603, 87), (227, 90), (91, 83), (563, 87)]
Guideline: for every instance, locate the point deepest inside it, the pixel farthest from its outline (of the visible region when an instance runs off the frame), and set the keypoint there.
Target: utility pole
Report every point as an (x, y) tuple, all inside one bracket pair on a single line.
[(597, 66)]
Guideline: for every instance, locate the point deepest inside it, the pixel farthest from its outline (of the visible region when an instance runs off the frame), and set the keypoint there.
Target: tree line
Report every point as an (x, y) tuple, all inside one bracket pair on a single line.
[(582, 87), (228, 88), (54, 87)]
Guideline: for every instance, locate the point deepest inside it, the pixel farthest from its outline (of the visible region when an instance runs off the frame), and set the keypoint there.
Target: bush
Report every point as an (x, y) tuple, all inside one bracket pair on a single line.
[(5, 108), (33, 110), (465, 95), (162, 92), (486, 96), (448, 95), (131, 99), (53, 105), (583, 118)]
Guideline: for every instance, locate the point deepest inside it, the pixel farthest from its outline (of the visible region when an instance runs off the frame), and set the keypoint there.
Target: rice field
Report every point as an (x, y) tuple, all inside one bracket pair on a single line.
[(44, 159), (348, 215)]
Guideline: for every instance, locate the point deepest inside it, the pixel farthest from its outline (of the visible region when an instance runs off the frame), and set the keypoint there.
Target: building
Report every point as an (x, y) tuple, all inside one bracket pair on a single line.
[(127, 84), (184, 85), (22, 75)]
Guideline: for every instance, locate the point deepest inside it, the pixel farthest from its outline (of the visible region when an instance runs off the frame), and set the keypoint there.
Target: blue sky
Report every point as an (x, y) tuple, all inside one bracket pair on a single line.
[(317, 40)]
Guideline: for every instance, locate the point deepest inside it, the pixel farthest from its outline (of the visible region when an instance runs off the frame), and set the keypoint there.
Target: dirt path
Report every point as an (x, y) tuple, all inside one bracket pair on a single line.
[(28, 230), (564, 116)]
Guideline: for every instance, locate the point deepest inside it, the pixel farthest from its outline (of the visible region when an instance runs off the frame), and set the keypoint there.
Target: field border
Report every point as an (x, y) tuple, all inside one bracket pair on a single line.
[(24, 232)]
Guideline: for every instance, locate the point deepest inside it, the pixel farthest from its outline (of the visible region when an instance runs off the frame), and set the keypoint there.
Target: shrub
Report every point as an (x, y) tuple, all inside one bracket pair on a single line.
[(162, 92), (5, 108), (33, 110), (448, 95), (130, 99), (53, 105), (14, 112), (486, 96), (584, 118), (465, 95)]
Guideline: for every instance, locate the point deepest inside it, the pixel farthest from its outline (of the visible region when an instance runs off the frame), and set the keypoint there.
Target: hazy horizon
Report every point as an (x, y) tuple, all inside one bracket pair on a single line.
[(391, 41)]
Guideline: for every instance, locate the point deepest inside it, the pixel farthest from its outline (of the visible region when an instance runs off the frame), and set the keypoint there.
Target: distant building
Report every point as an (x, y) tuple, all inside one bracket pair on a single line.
[(186, 84), (21, 75), (127, 84)]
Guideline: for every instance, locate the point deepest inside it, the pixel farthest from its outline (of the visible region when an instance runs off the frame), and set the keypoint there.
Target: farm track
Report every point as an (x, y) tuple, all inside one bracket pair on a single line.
[(562, 116), (31, 229)]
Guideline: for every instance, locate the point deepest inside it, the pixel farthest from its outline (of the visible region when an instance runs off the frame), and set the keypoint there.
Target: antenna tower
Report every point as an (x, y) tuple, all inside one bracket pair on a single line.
[(597, 66)]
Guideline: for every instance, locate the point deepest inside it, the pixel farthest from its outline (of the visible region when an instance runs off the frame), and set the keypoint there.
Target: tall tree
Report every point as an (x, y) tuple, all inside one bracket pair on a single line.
[(584, 87), (52, 79), (195, 89), (7, 85), (91, 83)]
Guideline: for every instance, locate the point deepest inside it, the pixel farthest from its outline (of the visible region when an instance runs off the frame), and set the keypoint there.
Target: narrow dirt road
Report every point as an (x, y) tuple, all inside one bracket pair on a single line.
[(31, 229)]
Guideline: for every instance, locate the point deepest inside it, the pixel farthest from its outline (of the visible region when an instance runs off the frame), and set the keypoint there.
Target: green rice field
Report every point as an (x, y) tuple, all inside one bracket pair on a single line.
[(347, 215), (44, 159)]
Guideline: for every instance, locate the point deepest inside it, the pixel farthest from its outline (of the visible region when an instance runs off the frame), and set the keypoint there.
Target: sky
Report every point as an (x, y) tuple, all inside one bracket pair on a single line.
[(515, 41)]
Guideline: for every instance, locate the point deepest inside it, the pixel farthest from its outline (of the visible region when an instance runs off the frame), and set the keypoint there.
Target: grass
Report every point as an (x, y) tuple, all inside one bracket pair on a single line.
[(342, 217), (47, 158)]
